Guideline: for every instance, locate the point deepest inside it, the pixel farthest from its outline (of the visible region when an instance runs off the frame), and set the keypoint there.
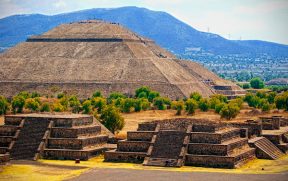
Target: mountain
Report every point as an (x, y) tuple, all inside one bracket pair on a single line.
[(167, 31)]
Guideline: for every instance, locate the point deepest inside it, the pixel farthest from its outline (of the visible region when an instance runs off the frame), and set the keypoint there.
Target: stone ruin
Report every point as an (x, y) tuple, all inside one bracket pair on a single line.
[(195, 142), (51, 136)]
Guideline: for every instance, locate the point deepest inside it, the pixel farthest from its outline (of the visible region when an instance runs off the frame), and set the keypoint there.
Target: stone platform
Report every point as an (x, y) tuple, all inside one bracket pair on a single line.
[(51, 136), (184, 142)]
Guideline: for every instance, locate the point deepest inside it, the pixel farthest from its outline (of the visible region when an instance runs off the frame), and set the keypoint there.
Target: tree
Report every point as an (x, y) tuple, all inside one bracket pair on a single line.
[(220, 97), (99, 103), (179, 106), (196, 96), (161, 103), (35, 94), (191, 106), (213, 102), (246, 86), (57, 107), (32, 104), (281, 101), (138, 105), (229, 111), (114, 96), (142, 95), (238, 101), (60, 95), (24, 94), (127, 104), (97, 94), (203, 105), (64, 101), (145, 89), (45, 107), (219, 107), (152, 95), (86, 105), (18, 103), (112, 119), (265, 106), (145, 104), (271, 96), (74, 103), (257, 83), (4, 105)]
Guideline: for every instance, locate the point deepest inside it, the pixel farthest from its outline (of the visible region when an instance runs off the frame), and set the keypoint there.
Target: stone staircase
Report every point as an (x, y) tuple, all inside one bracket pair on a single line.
[(265, 149), (224, 147), (135, 148), (53, 136)]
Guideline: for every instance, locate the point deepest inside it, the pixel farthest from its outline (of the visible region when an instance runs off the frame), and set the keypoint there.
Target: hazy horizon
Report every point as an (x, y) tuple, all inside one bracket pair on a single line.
[(246, 20)]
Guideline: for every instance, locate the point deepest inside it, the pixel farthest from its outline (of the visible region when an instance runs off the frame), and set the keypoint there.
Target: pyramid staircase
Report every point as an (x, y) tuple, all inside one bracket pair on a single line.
[(168, 149), (265, 149), (33, 136), (135, 148)]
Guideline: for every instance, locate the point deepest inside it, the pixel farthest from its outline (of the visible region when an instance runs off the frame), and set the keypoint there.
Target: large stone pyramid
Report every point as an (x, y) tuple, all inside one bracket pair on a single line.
[(94, 55)]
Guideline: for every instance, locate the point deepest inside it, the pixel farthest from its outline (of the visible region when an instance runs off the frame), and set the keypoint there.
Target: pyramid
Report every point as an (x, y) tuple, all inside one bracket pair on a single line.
[(94, 55)]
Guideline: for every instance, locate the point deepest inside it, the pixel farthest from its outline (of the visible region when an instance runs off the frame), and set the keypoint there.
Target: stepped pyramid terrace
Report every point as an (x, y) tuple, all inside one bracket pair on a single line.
[(82, 57), (51, 136), (200, 142)]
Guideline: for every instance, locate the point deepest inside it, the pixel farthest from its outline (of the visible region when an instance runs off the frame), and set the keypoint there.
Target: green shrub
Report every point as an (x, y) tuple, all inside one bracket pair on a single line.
[(97, 94), (32, 104), (238, 101), (246, 86), (152, 95), (115, 95), (257, 83), (219, 106), (86, 106), (45, 107), (99, 103), (179, 106), (127, 104), (191, 106), (142, 95), (145, 89), (203, 105), (229, 111), (112, 119), (57, 107), (4, 105), (220, 97), (161, 103), (196, 96), (74, 103), (271, 96), (145, 104), (60, 95), (213, 102), (18, 103), (24, 94), (138, 105)]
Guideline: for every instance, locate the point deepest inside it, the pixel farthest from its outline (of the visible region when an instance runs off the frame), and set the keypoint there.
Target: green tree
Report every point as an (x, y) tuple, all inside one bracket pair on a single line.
[(145, 89), (246, 86), (179, 106), (213, 102), (24, 94), (60, 95), (265, 106), (203, 104), (191, 106), (112, 119), (271, 96), (97, 94), (229, 111), (32, 104), (57, 107), (257, 83), (152, 95), (98, 103), (35, 94), (4, 105), (127, 104), (142, 95), (18, 103), (115, 95), (45, 107), (145, 104), (219, 107), (138, 105), (161, 103), (86, 106), (196, 96), (220, 97), (74, 103), (281, 101)]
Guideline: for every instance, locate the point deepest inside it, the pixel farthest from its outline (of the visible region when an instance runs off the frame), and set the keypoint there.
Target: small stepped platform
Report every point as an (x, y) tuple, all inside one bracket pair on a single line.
[(56, 136), (265, 149), (278, 137)]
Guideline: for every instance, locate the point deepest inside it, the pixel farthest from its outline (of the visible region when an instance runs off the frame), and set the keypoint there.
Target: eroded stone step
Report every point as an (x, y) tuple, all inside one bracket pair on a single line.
[(133, 146), (120, 156)]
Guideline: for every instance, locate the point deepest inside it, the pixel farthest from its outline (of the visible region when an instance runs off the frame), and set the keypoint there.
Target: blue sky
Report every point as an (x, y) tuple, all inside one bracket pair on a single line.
[(234, 19)]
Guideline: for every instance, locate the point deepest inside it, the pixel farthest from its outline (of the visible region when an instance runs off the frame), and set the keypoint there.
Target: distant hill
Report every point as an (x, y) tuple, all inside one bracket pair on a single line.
[(167, 31)]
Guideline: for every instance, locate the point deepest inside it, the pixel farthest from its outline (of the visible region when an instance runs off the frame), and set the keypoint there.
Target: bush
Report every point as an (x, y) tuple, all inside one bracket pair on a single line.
[(179, 106), (219, 106), (127, 104), (257, 83), (114, 96), (57, 107), (265, 106), (220, 97), (112, 119), (18, 103), (45, 107), (271, 96), (203, 105), (24, 94), (144, 89), (97, 94), (152, 95), (191, 106), (261, 94), (142, 95), (213, 102), (145, 104), (32, 104), (281, 101), (161, 103), (74, 103), (60, 95), (196, 96), (237, 101), (246, 86), (86, 106), (64, 101), (99, 103), (229, 111), (138, 105), (4, 106)]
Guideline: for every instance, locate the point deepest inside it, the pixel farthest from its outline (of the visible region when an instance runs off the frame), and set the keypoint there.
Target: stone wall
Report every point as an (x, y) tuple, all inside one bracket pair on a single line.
[(140, 136)]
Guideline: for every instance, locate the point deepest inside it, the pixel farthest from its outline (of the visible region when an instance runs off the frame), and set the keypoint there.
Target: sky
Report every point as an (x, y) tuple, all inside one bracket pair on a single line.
[(233, 19)]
